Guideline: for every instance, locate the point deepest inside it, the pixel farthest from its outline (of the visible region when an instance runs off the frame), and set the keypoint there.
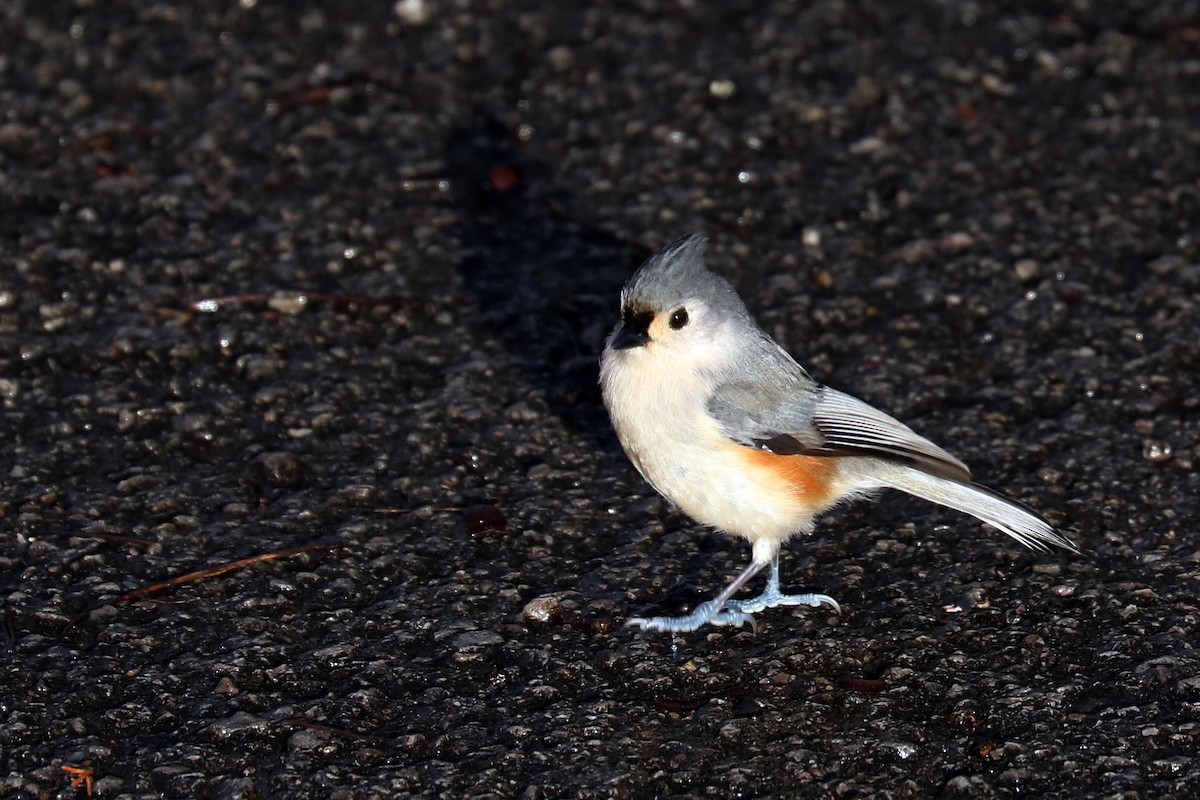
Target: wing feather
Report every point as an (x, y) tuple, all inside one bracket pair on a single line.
[(793, 414), (848, 424)]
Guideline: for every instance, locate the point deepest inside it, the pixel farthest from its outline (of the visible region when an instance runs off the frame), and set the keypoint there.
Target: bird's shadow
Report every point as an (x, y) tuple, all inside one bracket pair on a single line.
[(544, 283)]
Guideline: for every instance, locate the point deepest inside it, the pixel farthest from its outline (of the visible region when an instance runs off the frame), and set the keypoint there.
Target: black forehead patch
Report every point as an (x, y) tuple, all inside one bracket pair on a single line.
[(635, 318)]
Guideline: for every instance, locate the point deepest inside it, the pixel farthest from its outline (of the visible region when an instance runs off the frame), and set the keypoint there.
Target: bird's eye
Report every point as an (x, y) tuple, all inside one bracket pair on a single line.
[(679, 318)]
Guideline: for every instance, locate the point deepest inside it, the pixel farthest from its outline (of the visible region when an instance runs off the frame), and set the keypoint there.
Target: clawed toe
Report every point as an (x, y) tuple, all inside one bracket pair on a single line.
[(774, 599), (725, 611)]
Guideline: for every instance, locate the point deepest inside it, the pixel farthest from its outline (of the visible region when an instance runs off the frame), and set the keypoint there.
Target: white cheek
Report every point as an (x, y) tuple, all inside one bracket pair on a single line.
[(705, 350)]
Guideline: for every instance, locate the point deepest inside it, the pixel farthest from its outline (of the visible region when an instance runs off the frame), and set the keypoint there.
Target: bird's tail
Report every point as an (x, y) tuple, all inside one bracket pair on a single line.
[(1013, 518)]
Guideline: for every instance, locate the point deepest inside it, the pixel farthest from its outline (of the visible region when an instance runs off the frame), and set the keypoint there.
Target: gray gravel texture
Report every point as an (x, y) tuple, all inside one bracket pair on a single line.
[(980, 217)]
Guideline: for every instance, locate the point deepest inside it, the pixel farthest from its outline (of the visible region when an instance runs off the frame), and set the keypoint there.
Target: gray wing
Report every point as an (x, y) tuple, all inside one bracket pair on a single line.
[(791, 414)]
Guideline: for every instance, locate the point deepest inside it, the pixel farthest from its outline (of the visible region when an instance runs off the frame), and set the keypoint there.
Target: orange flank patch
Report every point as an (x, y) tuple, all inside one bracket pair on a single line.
[(808, 479)]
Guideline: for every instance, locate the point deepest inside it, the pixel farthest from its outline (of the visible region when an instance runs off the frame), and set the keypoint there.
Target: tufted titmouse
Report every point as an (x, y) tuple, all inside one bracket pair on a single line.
[(727, 426)]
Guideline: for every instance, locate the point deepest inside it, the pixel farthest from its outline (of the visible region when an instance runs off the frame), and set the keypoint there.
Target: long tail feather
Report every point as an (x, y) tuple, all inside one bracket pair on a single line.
[(1013, 518)]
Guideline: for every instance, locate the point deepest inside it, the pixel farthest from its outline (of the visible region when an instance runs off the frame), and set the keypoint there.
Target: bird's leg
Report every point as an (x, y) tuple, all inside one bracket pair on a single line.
[(771, 597), (714, 611)]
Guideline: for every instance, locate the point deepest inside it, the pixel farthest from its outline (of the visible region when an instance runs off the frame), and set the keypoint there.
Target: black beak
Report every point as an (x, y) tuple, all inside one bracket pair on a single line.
[(624, 338)]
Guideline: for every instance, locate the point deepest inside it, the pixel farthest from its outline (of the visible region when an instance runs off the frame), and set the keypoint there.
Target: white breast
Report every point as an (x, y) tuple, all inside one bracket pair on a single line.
[(659, 416)]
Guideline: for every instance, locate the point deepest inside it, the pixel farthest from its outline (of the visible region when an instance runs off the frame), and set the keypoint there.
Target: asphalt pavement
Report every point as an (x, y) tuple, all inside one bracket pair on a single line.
[(306, 489)]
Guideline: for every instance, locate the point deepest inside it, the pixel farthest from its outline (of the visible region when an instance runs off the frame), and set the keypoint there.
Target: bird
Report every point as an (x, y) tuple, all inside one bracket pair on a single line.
[(727, 426)]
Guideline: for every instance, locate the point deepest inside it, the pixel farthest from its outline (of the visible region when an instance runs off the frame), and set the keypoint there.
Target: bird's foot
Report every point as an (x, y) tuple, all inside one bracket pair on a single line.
[(706, 613), (772, 597)]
